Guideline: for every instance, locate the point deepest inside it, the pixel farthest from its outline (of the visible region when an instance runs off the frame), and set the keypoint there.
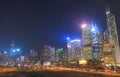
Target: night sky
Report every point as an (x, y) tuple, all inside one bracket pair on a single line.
[(34, 23)]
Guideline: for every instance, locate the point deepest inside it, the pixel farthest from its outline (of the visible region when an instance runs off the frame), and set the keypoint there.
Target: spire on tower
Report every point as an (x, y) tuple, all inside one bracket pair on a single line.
[(12, 44), (93, 27), (107, 9)]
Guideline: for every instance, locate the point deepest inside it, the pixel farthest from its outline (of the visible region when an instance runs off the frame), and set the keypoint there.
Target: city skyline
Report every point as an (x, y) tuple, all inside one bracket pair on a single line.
[(32, 24)]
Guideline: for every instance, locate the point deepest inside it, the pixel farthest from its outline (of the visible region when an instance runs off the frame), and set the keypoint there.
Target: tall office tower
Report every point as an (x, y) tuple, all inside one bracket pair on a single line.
[(33, 56), (61, 55), (97, 43), (12, 46), (12, 57), (48, 53), (52, 53), (75, 50), (57, 54), (33, 53), (68, 49), (86, 42), (112, 36)]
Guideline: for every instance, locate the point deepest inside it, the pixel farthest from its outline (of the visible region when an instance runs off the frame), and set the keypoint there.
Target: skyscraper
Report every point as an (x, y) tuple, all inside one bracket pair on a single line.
[(97, 43), (68, 49), (86, 42), (48, 54), (12, 47), (61, 55), (112, 36), (74, 49)]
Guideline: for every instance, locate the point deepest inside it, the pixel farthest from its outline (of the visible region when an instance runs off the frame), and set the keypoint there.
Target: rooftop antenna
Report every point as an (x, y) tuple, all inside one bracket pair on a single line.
[(107, 9)]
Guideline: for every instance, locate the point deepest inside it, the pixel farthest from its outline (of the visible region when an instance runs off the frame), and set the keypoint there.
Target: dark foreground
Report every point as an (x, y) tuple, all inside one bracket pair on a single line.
[(53, 74)]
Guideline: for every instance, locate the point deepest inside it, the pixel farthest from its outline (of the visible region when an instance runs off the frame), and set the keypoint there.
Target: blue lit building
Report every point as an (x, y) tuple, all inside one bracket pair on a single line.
[(74, 49), (97, 43)]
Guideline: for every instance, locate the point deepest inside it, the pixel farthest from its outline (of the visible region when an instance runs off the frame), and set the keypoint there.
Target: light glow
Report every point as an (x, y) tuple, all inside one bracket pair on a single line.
[(82, 62), (5, 52), (14, 50), (69, 46), (93, 29), (84, 25), (18, 49), (68, 38)]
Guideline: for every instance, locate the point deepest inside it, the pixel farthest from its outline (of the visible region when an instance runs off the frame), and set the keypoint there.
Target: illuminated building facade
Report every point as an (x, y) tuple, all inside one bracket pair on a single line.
[(33, 57), (97, 43), (33, 53), (86, 42), (74, 50), (61, 55), (109, 54), (12, 57), (3, 57), (111, 36), (14, 53), (12, 47), (48, 54), (68, 49), (57, 53)]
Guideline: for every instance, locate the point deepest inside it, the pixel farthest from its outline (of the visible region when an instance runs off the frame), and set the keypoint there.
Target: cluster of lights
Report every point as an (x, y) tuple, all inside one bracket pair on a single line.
[(93, 29), (16, 50)]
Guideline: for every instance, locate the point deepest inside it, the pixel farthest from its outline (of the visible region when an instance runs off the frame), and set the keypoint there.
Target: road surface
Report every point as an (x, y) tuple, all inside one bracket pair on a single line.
[(54, 74)]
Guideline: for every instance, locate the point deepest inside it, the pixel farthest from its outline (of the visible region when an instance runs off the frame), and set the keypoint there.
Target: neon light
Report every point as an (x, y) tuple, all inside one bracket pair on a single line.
[(76, 40)]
